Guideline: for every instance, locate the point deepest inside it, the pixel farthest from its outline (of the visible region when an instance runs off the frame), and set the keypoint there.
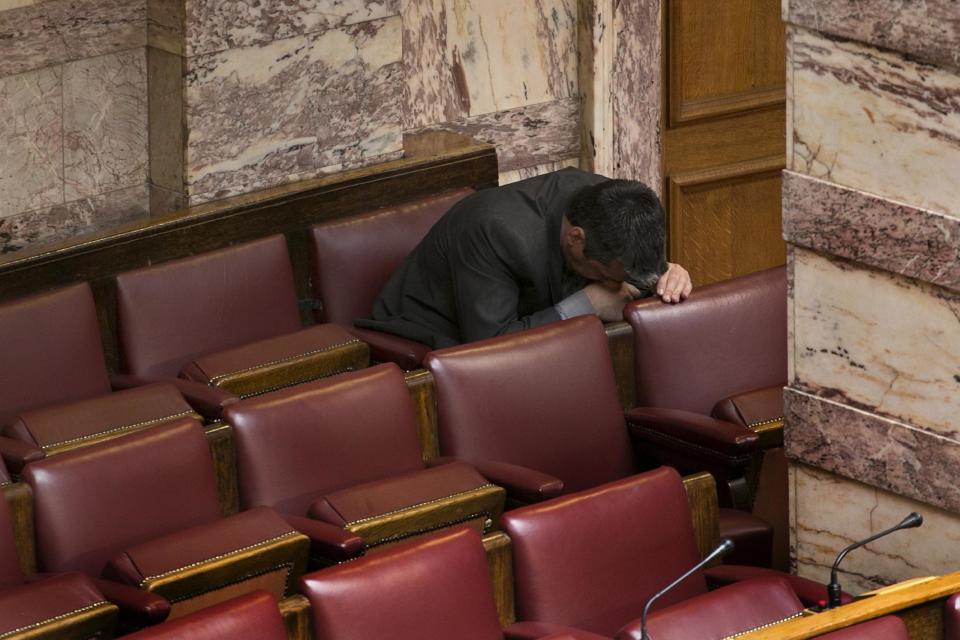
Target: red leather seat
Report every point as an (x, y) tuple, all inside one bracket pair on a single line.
[(710, 375), (345, 452), (67, 606), (253, 616), (951, 618), (434, 587), (885, 628), (537, 412), (142, 511), (353, 258), (229, 319), (591, 560), (55, 393)]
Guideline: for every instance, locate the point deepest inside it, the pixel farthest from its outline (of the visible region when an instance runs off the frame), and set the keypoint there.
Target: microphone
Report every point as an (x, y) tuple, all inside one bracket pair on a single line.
[(833, 589), (725, 547)]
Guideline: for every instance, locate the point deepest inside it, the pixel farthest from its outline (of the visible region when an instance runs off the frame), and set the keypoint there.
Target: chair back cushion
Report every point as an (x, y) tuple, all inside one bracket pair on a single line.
[(173, 312), (299, 443), (93, 502), (354, 257), (544, 399), (727, 338), (591, 560), (65, 607), (251, 616), (734, 609), (435, 587), (51, 351), (885, 628)]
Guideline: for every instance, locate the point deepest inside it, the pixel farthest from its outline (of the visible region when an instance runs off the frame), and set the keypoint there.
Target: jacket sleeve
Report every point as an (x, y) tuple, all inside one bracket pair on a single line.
[(485, 270)]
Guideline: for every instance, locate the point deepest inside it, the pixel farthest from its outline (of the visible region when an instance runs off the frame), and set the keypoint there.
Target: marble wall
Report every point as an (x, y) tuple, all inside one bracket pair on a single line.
[(871, 209)]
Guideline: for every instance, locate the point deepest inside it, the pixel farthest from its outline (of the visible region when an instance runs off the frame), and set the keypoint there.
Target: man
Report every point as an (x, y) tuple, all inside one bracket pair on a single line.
[(548, 248)]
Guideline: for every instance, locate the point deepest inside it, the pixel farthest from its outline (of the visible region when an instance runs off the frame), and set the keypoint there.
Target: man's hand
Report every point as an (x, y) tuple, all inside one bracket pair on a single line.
[(675, 284), (608, 301)]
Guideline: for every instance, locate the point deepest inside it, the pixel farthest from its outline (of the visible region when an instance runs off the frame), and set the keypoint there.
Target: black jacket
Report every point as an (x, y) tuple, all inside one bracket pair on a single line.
[(491, 265)]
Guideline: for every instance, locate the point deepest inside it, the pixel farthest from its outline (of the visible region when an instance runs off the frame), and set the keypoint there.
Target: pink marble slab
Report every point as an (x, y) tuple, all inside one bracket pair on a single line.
[(526, 136), (871, 230), (927, 30), (829, 434), (39, 35)]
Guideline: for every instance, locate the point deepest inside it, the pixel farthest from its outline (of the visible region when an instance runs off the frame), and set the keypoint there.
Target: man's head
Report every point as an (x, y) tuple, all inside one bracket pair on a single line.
[(615, 231)]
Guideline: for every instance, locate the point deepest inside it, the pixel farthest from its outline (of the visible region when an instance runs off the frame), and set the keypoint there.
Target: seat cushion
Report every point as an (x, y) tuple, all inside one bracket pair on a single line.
[(885, 628), (66, 426), (256, 549), (385, 347), (414, 502), (67, 607), (434, 587), (254, 616), (752, 536), (52, 351), (282, 361), (718, 614)]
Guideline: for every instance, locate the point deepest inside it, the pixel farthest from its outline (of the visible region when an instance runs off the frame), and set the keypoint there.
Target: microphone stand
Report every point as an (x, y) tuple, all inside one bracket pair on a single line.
[(725, 547), (833, 589)]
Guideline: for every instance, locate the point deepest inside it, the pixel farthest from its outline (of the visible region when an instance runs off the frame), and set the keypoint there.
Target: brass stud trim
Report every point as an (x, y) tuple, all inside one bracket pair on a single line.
[(418, 504), (218, 378), (62, 616), (798, 614), (128, 427), (762, 423)]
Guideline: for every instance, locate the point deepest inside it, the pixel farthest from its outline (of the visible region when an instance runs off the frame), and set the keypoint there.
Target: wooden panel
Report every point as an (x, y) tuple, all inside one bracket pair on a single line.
[(715, 143), (725, 57), (423, 395), (704, 510), (500, 567), (19, 499), (725, 222)]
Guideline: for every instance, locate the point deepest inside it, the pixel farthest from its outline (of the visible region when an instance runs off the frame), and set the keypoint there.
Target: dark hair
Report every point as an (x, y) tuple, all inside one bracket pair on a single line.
[(623, 220)]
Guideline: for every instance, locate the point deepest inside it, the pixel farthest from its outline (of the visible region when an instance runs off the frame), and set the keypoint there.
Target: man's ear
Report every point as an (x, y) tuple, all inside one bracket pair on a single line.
[(576, 237)]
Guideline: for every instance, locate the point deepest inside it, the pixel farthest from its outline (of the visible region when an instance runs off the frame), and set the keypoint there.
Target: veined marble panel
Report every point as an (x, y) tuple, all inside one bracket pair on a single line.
[(874, 121), (833, 512), (215, 25), (105, 123), (928, 30), (637, 92), (266, 115), (506, 177), (527, 136), (501, 55), (72, 219), (874, 231), (435, 90), (877, 451), (31, 131), (33, 36), (877, 341)]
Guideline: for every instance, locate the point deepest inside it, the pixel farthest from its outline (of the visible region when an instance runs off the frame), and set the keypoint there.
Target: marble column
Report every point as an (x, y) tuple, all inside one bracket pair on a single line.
[(871, 209)]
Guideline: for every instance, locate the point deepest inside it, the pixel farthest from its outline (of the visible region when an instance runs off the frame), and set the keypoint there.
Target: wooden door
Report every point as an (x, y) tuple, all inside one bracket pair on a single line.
[(724, 126)]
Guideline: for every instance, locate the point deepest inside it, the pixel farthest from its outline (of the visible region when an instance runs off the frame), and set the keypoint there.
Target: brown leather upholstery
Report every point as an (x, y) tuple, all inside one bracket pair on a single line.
[(253, 616), (354, 257), (346, 451), (751, 408), (172, 313), (92, 503), (885, 628), (297, 444), (951, 618), (63, 427), (722, 613), (811, 593), (64, 607), (727, 338), (52, 351), (590, 560), (435, 587), (544, 399), (545, 631)]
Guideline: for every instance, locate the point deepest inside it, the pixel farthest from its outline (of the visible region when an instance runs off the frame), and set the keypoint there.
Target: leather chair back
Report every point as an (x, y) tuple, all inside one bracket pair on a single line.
[(254, 616), (436, 587), (727, 338), (52, 351), (10, 573), (92, 502), (354, 257), (173, 312), (543, 399), (591, 560), (296, 444)]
